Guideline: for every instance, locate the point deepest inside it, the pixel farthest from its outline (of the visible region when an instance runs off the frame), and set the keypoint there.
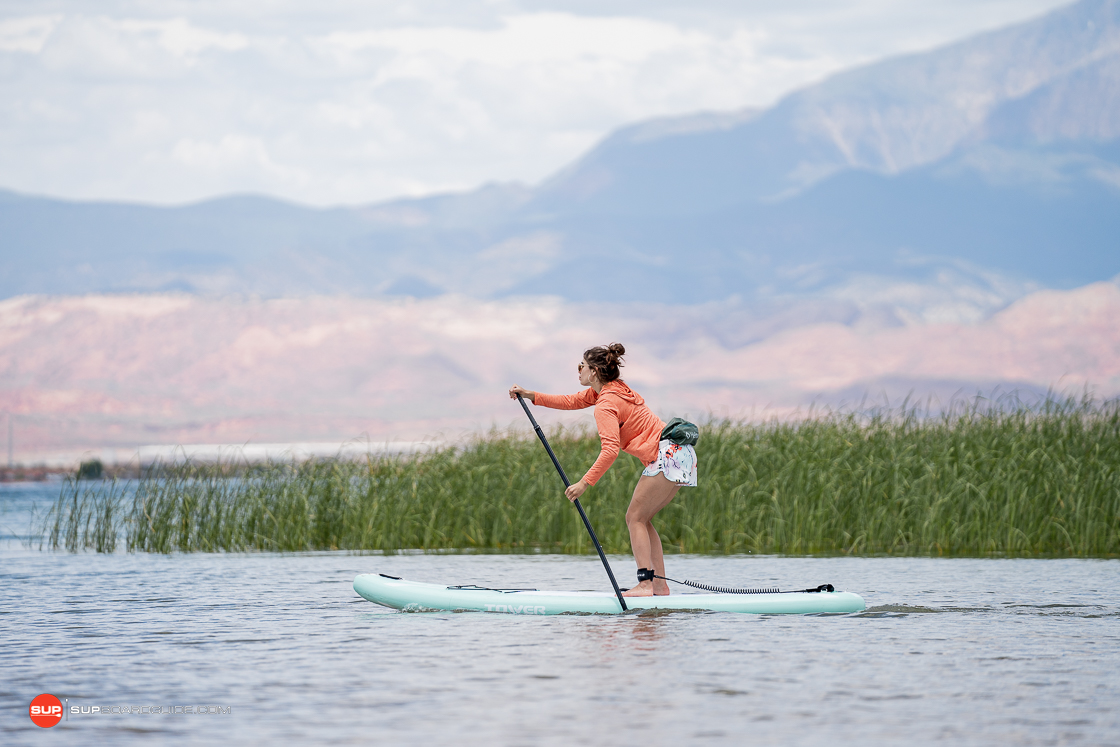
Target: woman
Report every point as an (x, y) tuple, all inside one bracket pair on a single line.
[(625, 422)]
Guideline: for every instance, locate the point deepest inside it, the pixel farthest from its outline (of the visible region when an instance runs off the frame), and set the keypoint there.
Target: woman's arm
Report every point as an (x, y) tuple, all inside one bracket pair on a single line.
[(606, 421), (578, 401), (516, 390)]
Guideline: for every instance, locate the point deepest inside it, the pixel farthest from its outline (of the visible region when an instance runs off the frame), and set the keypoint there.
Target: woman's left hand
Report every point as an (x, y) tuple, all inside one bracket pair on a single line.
[(575, 491)]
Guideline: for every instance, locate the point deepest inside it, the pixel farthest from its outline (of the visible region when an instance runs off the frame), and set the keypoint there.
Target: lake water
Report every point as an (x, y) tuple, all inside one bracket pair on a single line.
[(953, 651)]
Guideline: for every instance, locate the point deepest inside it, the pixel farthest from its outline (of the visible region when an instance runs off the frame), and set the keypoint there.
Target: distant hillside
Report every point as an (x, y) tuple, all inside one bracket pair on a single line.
[(126, 370), (969, 175)]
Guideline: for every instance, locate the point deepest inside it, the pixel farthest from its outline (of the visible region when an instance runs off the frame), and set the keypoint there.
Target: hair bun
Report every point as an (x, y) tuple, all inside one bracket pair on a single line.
[(605, 360)]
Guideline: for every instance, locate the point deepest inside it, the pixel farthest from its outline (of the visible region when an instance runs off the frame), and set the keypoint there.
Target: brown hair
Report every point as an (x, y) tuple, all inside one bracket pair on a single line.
[(605, 360)]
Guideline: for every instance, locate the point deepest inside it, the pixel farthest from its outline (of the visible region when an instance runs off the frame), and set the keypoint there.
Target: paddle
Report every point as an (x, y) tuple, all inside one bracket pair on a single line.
[(582, 515)]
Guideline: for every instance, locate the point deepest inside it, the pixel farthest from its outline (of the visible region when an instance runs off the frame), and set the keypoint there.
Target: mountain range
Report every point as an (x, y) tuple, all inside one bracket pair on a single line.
[(105, 374), (975, 173)]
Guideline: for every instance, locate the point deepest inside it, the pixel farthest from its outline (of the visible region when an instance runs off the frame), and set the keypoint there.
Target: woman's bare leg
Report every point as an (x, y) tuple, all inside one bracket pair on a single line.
[(657, 557), (651, 494)]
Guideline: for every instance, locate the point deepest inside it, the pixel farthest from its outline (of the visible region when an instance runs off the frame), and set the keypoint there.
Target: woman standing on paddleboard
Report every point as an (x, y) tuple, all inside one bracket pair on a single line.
[(625, 423)]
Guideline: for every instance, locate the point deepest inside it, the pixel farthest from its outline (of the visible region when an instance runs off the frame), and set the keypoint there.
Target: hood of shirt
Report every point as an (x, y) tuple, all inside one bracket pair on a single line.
[(619, 389)]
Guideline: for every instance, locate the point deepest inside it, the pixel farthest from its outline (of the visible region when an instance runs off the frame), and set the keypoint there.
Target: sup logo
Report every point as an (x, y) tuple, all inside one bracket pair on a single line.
[(46, 710)]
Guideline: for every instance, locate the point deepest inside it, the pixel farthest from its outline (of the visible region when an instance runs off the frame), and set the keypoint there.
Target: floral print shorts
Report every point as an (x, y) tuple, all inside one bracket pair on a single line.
[(676, 461)]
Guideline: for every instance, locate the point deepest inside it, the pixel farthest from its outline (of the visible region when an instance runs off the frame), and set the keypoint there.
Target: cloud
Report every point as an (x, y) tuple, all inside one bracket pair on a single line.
[(231, 151), (119, 51), (530, 39), (357, 102), (26, 34), (181, 38)]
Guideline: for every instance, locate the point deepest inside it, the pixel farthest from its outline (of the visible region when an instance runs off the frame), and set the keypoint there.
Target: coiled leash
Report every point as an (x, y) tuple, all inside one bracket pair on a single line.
[(647, 574)]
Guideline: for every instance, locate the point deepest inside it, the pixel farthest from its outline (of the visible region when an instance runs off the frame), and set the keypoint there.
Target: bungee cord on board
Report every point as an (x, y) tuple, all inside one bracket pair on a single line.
[(729, 590)]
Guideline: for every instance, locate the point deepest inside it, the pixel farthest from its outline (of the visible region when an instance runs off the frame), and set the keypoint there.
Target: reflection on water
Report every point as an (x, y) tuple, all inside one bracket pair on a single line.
[(644, 633), (953, 651)]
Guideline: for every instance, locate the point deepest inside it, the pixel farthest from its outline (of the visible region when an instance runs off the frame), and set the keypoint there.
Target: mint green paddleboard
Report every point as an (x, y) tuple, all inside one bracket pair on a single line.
[(416, 597)]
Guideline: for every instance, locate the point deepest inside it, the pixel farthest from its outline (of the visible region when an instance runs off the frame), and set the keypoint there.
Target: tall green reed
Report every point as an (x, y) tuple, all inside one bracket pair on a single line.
[(974, 480), (85, 517)]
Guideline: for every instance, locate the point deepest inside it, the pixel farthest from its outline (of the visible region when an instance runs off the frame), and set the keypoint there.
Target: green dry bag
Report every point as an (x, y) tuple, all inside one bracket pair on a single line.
[(680, 431)]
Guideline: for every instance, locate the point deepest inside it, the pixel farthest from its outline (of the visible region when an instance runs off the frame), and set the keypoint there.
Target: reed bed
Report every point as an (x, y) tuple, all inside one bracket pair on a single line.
[(975, 480)]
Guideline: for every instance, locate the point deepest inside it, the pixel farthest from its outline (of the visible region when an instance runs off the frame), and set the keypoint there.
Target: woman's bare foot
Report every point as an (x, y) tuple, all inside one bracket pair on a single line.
[(644, 589), (660, 588)]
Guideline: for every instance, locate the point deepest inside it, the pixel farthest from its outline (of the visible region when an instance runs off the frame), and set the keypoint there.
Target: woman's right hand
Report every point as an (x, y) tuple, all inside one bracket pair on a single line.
[(516, 390)]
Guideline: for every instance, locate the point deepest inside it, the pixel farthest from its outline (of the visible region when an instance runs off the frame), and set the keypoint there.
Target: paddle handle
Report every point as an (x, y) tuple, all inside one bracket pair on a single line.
[(582, 515)]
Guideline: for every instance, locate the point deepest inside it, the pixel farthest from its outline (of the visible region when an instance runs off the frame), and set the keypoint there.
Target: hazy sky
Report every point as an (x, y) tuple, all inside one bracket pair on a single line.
[(352, 101)]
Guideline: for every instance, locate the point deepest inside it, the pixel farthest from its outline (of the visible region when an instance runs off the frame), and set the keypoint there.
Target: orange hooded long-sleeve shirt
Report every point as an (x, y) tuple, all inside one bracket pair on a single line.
[(623, 420)]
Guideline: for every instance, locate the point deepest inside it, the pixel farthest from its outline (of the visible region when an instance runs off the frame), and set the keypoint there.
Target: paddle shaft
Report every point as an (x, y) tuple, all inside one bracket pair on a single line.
[(582, 515)]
